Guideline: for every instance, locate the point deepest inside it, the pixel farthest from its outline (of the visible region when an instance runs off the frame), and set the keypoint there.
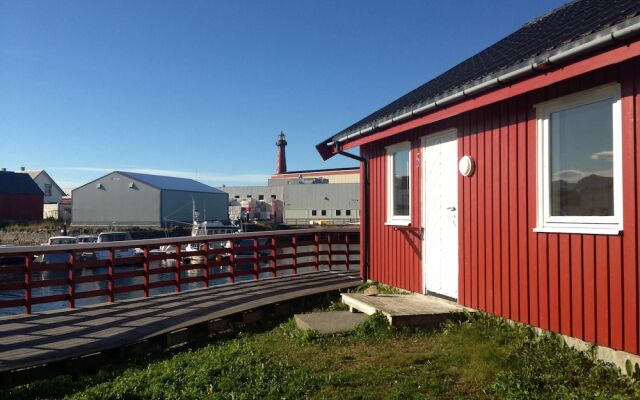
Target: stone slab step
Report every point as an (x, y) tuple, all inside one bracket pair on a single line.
[(406, 310), (329, 322)]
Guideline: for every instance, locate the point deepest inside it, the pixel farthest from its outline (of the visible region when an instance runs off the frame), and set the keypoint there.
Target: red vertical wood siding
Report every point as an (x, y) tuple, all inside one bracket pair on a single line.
[(584, 286), (21, 207), (464, 137), (395, 255)]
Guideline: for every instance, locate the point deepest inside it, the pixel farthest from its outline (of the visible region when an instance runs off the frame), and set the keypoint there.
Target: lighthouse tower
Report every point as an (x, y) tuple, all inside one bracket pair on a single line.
[(281, 162)]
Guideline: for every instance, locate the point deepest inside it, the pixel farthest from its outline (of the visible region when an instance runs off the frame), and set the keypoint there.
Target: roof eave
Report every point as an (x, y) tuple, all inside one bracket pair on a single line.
[(326, 151), (525, 70)]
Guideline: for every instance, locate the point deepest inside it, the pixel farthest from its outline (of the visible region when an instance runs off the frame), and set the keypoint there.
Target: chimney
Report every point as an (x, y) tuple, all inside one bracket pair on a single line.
[(22, 169), (281, 162)]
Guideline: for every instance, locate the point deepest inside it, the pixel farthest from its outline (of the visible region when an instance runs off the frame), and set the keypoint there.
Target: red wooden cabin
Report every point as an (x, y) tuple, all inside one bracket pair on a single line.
[(542, 227)]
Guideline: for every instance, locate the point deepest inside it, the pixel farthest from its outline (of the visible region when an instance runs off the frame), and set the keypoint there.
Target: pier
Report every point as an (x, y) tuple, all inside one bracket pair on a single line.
[(174, 296)]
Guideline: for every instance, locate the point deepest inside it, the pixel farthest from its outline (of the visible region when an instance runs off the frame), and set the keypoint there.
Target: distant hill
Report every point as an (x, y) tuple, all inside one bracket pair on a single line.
[(591, 195)]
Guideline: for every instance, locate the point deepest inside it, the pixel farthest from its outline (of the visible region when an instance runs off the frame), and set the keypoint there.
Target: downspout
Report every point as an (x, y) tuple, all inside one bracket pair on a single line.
[(364, 164)]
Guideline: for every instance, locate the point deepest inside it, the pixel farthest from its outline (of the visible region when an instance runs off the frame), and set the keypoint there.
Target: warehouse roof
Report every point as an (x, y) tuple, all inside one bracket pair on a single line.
[(535, 40), (171, 183), (14, 183)]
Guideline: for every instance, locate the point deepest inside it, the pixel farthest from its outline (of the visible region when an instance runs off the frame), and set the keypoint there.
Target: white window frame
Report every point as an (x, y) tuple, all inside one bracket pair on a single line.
[(402, 220), (607, 225)]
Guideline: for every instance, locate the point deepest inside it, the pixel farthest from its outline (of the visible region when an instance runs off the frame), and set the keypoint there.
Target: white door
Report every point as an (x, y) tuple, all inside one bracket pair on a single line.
[(440, 213)]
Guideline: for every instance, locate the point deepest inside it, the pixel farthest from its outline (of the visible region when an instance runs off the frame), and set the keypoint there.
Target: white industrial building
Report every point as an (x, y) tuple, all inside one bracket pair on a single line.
[(310, 197)]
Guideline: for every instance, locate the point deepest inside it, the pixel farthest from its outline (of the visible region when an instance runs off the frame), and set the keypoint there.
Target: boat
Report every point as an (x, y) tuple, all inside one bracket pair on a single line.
[(108, 237), (57, 258), (206, 228), (87, 238)]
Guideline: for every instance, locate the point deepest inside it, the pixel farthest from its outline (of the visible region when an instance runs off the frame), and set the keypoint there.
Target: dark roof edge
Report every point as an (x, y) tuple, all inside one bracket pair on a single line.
[(218, 191), (319, 170), (559, 55)]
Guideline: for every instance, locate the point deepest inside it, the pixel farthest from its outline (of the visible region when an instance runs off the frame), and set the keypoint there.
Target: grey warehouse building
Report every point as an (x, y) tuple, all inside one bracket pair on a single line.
[(134, 199)]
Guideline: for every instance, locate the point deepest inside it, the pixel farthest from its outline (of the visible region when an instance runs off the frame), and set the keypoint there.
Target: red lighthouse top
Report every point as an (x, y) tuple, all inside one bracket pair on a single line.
[(281, 162)]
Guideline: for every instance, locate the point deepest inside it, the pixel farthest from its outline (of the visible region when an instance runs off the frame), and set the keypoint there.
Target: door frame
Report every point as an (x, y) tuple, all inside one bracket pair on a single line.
[(423, 216)]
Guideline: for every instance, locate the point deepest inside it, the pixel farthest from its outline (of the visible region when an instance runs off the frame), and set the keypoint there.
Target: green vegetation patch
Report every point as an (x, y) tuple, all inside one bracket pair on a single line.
[(482, 358), (382, 288)]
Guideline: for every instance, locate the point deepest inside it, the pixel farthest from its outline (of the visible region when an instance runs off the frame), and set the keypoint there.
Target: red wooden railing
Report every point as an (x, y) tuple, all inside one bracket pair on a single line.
[(168, 264)]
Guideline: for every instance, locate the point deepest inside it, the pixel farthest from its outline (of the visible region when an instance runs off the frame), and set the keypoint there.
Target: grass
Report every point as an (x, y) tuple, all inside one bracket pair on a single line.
[(483, 358), (48, 225), (382, 288)]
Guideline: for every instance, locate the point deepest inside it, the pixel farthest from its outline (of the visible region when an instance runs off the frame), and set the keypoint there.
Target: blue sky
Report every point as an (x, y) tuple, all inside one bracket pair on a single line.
[(201, 89)]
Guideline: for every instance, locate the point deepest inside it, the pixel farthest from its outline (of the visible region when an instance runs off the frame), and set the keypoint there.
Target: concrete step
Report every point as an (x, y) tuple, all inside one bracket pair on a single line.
[(329, 322)]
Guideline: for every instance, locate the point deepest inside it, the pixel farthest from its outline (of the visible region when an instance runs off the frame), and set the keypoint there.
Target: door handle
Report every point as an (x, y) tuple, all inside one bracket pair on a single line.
[(451, 208)]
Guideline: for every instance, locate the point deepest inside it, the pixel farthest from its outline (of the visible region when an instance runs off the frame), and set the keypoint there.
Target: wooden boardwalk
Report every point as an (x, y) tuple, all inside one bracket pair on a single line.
[(40, 339)]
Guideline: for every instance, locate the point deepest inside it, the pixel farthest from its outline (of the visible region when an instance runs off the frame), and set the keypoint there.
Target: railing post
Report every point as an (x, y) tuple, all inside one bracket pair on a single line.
[(274, 259), (112, 258), (316, 244), (348, 255), (294, 251), (205, 274), (255, 258), (28, 262), (145, 267), (232, 261), (178, 266), (329, 245), (72, 279)]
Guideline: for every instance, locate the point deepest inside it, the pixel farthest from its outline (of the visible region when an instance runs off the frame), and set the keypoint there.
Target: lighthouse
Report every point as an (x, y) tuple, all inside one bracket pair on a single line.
[(281, 162)]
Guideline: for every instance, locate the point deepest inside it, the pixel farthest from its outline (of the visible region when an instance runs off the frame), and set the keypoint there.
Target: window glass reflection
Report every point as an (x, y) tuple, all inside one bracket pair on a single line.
[(581, 157), (401, 183)]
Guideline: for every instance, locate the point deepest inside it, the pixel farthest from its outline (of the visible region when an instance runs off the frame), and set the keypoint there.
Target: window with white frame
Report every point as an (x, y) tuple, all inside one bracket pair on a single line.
[(398, 184), (579, 139)]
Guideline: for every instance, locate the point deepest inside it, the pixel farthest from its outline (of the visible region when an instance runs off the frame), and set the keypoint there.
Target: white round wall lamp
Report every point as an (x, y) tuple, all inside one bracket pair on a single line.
[(466, 166)]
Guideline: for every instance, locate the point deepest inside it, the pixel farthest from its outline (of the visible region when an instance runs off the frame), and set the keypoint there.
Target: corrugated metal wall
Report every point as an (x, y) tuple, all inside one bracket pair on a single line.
[(242, 192), (178, 206), (115, 203), (584, 286), (301, 200)]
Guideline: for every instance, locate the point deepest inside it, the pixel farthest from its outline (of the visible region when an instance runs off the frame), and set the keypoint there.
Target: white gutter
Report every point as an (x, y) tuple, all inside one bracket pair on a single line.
[(618, 32)]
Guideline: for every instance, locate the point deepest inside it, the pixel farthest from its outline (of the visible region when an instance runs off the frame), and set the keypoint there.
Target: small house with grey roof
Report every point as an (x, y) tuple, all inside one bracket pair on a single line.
[(133, 199), (53, 193), (511, 182)]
